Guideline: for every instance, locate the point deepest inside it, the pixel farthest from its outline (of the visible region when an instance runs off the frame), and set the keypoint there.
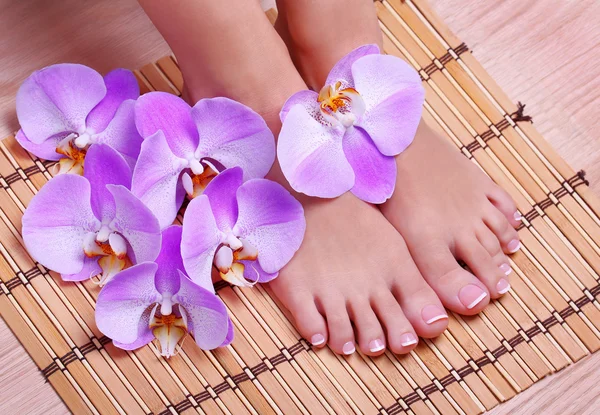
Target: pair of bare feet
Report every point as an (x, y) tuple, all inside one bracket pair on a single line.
[(370, 276)]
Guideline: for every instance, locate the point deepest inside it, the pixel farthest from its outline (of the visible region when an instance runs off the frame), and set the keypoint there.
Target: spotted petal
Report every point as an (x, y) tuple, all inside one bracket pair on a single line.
[(342, 71), (56, 222), (272, 220), (58, 99), (123, 301), (234, 135), (90, 269), (305, 98), (45, 150), (169, 261), (145, 334), (222, 195)]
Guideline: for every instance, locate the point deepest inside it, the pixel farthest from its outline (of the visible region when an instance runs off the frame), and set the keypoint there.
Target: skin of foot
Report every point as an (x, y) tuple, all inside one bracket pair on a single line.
[(444, 206), (353, 283)]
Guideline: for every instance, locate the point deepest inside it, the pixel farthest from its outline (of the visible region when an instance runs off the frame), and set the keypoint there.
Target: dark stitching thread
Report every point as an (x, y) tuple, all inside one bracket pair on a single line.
[(72, 356), (443, 60)]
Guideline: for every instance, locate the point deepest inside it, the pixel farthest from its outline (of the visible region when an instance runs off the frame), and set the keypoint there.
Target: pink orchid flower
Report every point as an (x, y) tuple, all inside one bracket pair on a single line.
[(344, 137), (65, 108), (84, 226), (156, 300)]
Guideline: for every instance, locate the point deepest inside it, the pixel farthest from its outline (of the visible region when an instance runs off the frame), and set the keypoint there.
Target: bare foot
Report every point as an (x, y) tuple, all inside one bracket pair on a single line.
[(446, 207), (353, 280)]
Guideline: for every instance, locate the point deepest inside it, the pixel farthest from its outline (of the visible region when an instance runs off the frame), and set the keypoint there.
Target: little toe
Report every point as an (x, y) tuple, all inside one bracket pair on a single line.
[(341, 333), (309, 322), (401, 337), (481, 263), (458, 289), (505, 204), (503, 229), (371, 339)]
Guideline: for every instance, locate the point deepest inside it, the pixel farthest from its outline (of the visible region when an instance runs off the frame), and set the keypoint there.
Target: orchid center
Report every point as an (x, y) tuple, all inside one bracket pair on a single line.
[(200, 174), (169, 329), (229, 257), (74, 147), (112, 250), (341, 105)]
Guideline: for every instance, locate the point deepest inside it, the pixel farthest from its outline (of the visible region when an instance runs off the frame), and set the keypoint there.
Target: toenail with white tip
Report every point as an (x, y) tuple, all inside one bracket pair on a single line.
[(376, 346), (505, 268), (513, 246), (503, 286), (408, 339), (317, 339), (433, 313), (518, 216), (348, 348), (471, 295)]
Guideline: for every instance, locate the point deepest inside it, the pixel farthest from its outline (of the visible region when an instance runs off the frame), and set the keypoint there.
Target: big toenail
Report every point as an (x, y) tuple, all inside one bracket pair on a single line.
[(433, 313), (317, 340), (471, 295), (505, 268), (503, 286), (375, 346), (518, 216), (348, 348), (408, 339), (514, 246)]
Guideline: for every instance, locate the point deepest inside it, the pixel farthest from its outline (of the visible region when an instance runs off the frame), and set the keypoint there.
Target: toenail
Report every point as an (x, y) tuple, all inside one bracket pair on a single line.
[(433, 313), (408, 339), (514, 246), (518, 216), (348, 348), (505, 268), (471, 295), (375, 346), (317, 340), (503, 286)]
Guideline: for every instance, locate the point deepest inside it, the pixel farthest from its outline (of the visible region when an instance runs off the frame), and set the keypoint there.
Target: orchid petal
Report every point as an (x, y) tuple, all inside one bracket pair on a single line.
[(123, 301), (223, 259), (45, 150), (145, 334), (207, 315), (306, 98), (156, 177), (199, 241), (342, 71), (167, 112), (121, 85), (121, 133), (234, 135), (375, 173), (392, 125), (169, 261), (58, 99), (377, 77), (103, 165), (56, 222), (230, 335), (253, 271), (311, 156), (239, 276), (136, 223), (90, 269), (222, 193), (272, 220)]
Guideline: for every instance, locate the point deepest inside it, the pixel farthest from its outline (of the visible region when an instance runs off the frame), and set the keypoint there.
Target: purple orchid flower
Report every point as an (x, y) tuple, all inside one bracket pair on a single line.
[(83, 226), (249, 231), (344, 138), (185, 147), (157, 300), (65, 108)]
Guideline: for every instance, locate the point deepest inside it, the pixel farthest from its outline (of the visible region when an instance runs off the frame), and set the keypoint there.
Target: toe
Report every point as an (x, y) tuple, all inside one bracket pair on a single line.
[(341, 334), (309, 322), (485, 268), (371, 339), (505, 204), (401, 337), (503, 229), (458, 289)]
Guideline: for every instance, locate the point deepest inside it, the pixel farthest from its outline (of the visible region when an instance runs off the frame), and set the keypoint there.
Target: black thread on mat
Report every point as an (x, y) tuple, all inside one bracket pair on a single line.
[(443, 60), (72, 356), (18, 280)]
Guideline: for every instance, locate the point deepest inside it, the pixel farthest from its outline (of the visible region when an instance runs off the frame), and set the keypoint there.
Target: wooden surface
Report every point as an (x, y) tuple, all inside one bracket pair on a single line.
[(541, 52)]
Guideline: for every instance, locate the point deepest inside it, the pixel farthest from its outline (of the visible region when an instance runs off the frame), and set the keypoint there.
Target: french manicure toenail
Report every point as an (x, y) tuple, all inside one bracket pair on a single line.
[(471, 295), (514, 246), (317, 339), (408, 339), (376, 346), (518, 216), (433, 313), (348, 348), (505, 268), (503, 286)]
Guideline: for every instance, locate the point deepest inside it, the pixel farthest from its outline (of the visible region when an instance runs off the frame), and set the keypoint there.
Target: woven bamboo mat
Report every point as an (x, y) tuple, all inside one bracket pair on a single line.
[(550, 319)]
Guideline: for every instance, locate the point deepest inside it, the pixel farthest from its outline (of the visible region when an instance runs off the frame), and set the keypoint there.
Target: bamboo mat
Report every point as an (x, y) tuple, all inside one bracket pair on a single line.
[(550, 318)]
